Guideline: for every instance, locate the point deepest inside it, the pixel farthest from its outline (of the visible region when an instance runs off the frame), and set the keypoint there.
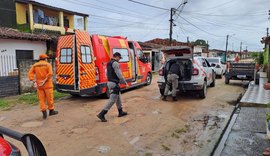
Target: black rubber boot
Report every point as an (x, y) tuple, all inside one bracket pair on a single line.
[(174, 98), (44, 113), (122, 113), (164, 98), (101, 115), (53, 112)]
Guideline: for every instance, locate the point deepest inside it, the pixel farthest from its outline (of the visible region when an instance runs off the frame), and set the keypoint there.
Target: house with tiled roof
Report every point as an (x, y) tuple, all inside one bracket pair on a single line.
[(29, 28)]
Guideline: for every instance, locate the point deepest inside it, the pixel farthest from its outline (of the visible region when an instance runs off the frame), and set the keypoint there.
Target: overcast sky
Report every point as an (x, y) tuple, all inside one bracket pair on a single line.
[(212, 20)]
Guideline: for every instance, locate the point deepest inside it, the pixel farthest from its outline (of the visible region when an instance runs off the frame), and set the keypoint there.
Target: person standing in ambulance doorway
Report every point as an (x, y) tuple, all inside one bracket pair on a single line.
[(172, 81), (41, 75), (115, 77)]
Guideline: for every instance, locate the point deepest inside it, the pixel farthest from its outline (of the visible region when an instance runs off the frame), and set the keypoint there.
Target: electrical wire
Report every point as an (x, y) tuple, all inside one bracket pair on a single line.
[(157, 7), (217, 6), (198, 27)]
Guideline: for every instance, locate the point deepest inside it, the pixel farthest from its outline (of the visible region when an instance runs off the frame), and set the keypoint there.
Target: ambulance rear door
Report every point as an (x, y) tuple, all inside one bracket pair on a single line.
[(86, 62), (65, 63)]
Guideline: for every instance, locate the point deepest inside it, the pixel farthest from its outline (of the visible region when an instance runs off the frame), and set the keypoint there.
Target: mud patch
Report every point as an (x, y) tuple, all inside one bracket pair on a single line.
[(79, 130), (120, 121), (31, 124)]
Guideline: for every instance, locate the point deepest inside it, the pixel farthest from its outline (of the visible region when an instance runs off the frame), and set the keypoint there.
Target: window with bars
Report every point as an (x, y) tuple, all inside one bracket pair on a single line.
[(66, 56), (86, 54)]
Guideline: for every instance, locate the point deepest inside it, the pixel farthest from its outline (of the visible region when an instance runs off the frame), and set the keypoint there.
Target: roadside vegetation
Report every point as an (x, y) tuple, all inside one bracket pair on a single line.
[(28, 99), (258, 57)]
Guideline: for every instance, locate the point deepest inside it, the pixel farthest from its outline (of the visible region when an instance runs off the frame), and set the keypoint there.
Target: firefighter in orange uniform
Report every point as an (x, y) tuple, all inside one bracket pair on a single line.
[(41, 75)]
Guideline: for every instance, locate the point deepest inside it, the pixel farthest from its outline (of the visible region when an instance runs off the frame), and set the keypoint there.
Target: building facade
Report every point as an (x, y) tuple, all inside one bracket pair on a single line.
[(35, 17)]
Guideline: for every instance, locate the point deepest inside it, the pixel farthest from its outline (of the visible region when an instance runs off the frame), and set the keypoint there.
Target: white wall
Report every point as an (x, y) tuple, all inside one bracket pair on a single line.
[(197, 49), (8, 49)]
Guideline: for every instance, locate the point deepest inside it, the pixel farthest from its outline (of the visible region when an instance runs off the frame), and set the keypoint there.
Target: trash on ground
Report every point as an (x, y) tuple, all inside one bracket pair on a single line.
[(103, 149)]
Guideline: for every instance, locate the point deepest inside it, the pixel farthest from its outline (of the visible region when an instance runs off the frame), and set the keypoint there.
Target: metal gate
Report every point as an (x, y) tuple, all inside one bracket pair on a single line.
[(9, 78)]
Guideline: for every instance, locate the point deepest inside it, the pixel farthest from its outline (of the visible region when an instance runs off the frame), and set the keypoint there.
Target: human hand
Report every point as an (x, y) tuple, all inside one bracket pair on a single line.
[(126, 85), (35, 85)]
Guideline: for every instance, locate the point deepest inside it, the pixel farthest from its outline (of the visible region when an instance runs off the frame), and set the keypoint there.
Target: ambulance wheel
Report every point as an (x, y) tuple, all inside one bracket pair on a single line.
[(148, 79)]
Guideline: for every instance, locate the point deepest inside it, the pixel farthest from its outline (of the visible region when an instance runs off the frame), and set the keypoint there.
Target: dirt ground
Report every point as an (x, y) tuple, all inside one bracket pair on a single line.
[(153, 127)]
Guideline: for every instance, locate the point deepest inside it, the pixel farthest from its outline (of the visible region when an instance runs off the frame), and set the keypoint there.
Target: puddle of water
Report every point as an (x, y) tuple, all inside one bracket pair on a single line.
[(32, 124)]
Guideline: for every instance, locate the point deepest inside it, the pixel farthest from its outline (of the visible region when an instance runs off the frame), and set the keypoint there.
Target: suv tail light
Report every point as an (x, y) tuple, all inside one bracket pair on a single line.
[(195, 71), (161, 72)]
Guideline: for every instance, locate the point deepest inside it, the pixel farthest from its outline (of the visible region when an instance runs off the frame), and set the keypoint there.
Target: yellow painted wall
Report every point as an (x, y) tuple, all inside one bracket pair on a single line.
[(21, 13), (71, 20), (21, 17)]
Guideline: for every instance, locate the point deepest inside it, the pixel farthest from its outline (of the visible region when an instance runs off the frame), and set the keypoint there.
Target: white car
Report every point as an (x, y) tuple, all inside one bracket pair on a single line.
[(197, 72), (217, 65)]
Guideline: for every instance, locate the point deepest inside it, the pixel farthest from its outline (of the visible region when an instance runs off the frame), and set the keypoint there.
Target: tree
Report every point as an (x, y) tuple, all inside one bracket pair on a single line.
[(200, 42)]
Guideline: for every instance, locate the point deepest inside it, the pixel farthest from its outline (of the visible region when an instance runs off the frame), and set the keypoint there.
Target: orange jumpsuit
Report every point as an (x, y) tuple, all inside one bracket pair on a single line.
[(42, 70)]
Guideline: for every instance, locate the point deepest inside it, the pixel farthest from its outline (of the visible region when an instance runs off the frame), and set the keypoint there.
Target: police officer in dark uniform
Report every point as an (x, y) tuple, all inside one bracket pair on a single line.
[(172, 80), (115, 77)]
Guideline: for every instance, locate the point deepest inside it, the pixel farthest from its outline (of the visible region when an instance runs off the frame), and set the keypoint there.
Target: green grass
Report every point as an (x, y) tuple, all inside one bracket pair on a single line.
[(58, 95), (29, 98), (4, 103)]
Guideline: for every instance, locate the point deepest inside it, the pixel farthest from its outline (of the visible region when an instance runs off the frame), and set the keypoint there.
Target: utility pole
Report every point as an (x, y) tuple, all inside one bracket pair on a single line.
[(187, 39), (227, 37), (171, 24), (241, 50), (207, 49), (267, 30)]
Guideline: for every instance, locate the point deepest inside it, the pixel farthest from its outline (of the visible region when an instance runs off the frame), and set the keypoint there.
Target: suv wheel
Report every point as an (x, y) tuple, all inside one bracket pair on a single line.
[(203, 92), (214, 81)]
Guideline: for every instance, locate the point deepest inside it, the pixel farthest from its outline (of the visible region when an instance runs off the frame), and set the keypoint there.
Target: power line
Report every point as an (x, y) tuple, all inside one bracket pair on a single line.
[(93, 6), (130, 22), (199, 27), (161, 21), (214, 7), (226, 25), (117, 6), (157, 7), (225, 15)]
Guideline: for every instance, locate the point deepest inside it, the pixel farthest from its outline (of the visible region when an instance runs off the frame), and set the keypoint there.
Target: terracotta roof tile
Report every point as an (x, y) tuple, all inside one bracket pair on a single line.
[(10, 33)]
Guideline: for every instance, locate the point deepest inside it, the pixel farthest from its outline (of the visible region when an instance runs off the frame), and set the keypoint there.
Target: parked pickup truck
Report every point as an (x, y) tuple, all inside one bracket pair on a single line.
[(241, 71)]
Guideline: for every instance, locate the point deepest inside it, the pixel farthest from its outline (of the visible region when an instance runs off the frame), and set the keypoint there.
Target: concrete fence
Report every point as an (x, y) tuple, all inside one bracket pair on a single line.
[(24, 67)]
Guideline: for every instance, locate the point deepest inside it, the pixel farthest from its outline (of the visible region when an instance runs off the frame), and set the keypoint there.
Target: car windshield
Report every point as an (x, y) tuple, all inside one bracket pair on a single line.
[(212, 60)]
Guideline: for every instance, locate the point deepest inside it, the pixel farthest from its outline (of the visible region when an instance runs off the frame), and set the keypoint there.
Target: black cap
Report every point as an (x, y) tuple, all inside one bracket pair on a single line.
[(117, 55)]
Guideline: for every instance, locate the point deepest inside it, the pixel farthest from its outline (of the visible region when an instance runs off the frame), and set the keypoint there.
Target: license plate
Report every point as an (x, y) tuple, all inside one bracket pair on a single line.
[(241, 76)]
